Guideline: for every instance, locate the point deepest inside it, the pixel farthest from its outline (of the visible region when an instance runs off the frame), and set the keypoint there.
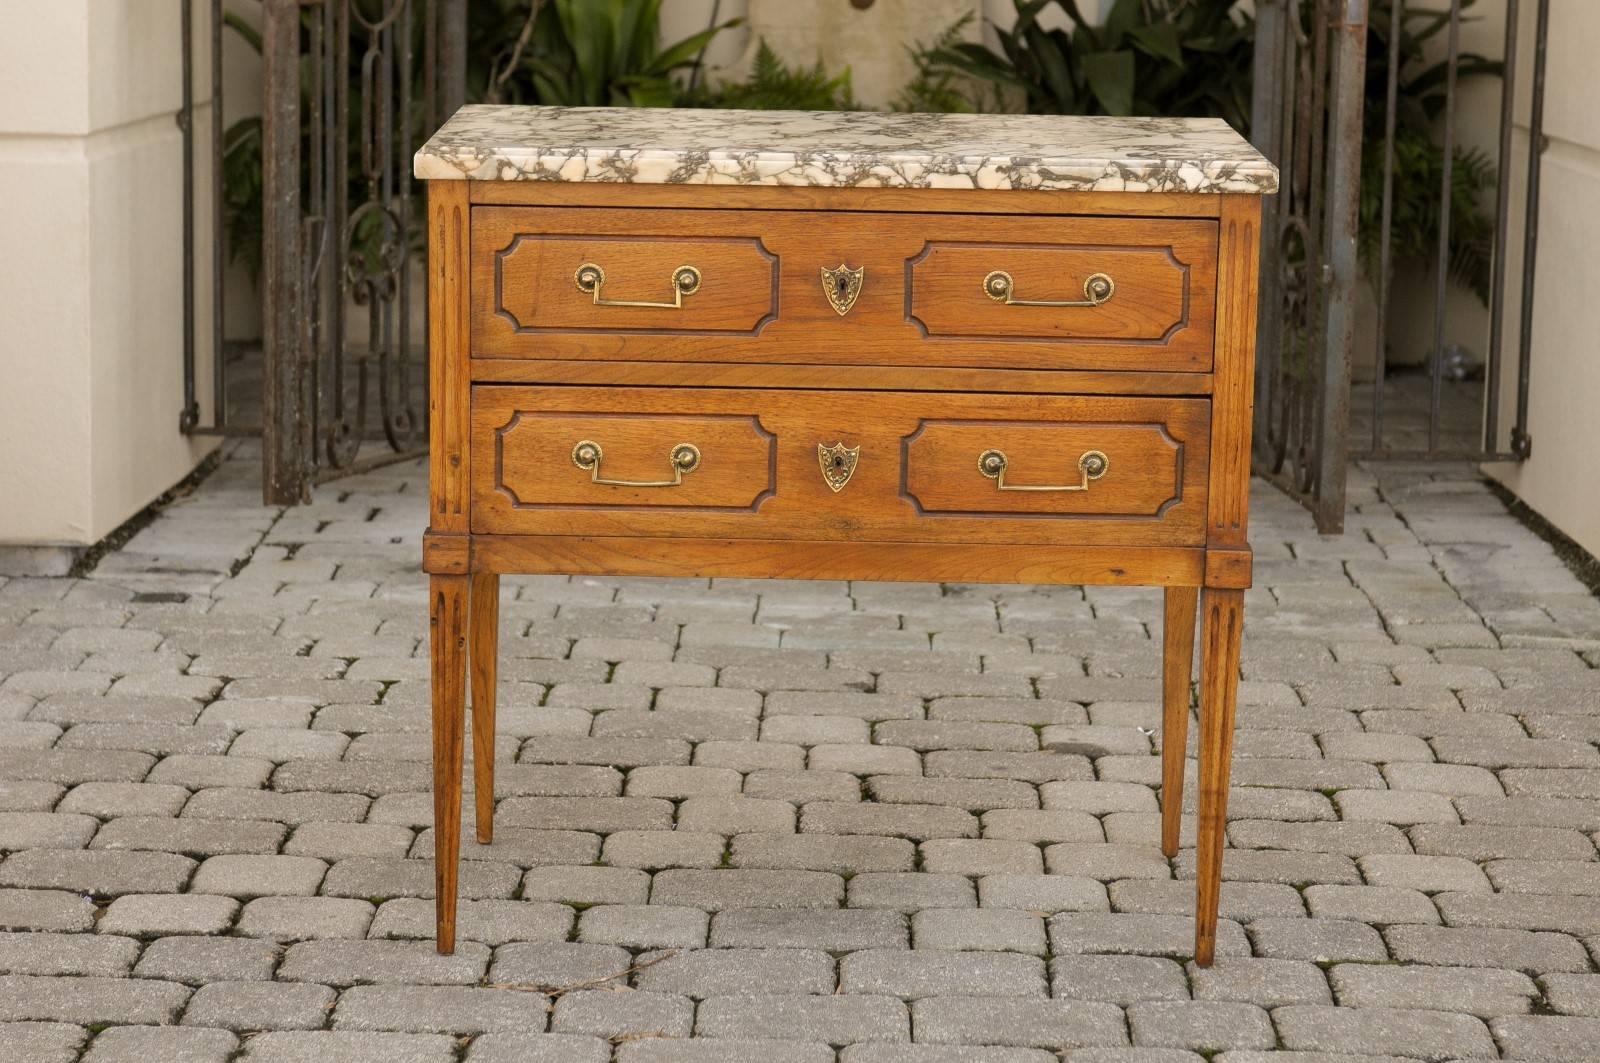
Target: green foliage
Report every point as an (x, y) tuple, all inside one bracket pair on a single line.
[(577, 53), (775, 86), (935, 87), (1166, 57), (1419, 158)]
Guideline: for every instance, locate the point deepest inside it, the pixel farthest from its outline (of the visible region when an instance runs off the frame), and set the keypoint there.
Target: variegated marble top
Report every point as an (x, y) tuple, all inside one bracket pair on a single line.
[(866, 149)]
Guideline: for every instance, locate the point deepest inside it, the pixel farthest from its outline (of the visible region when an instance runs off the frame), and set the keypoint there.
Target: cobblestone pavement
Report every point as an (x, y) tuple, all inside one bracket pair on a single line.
[(796, 823)]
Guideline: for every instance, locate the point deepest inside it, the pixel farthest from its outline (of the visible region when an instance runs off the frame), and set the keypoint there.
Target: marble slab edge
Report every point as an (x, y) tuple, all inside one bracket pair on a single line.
[(856, 149)]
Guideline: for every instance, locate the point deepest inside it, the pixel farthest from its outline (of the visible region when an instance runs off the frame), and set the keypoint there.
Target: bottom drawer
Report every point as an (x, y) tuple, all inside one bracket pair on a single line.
[(847, 465)]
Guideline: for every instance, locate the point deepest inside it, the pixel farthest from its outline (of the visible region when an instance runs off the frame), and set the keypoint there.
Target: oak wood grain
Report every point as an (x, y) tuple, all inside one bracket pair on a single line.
[(834, 377), (447, 627), (1177, 665), (922, 300), (917, 477), (483, 648), (449, 311), (1232, 407), (686, 556), (1222, 612), (921, 200)]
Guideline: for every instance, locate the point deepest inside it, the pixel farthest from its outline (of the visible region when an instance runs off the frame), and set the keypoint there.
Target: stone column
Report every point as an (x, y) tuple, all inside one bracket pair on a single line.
[(91, 297)]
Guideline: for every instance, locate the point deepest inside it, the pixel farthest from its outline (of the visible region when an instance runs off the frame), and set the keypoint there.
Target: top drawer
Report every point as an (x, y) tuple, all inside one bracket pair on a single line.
[(822, 288)]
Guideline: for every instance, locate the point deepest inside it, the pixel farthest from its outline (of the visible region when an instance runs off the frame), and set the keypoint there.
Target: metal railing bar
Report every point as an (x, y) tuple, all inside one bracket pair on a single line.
[(189, 416), (1502, 216), (1447, 202), (1521, 441), (1380, 356), (1397, 454), (219, 375)]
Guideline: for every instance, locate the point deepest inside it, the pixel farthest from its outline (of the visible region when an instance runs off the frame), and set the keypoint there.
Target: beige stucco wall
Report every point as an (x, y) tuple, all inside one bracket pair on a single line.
[(90, 266), (871, 42), (1560, 479)]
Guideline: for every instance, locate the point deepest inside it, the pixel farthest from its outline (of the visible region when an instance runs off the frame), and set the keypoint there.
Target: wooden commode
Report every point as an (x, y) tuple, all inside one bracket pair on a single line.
[(958, 348)]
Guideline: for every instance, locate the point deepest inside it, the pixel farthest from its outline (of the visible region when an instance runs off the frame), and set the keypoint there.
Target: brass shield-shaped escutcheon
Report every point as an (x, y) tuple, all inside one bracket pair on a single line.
[(841, 285), (838, 464)]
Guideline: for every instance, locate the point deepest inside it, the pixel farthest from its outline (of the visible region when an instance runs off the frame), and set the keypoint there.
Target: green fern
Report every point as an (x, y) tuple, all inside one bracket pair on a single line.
[(773, 85), (935, 87)]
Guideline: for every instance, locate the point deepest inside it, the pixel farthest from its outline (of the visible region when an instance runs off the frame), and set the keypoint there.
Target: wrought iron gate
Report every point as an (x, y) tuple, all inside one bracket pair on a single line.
[(1311, 83), (350, 87)]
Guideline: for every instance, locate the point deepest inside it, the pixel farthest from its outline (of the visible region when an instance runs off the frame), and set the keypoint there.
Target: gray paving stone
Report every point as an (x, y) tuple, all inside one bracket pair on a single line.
[(1547, 1037), (1516, 950), (493, 922), (260, 876), (913, 821), (643, 926), (372, 877), (831, 931), (1074, 933), (799, 787), (586, 885), (1036, 767), (701, 973), (196, 960), (702, 1050), (89, 1001), (41, 909), (538, 1048), (1117, 979), (714, 891), (318, 1046), (141, 1044), (195, 837), (1378, 1031), (655, 850), (1053, 1024), (926, 972), (306, 918), (45, 830), (885, 1053), (1316, 940), (1573, 994), (834, 1020), (40, 1042), (1474, 991), (910, 891), (1202, 1025), (1522, 911), (822, 852), (98, 874), (67, 954), (621, 1016), (346, 963), (552, 966), (1268, 983), (242, 1006), (457, 1010), (980, 856), (736, 815), (1371, 904), (1430, 874), (999, 929)]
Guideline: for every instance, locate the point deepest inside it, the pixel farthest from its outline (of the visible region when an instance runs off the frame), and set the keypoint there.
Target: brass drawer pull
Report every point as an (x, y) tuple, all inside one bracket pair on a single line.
[(590, 278), (1092, 464), (685, 457), (1097, 291)]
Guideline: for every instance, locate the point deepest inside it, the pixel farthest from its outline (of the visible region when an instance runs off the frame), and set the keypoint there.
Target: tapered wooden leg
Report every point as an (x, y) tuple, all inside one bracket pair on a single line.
[(1223, 620), (1177, 661), (447, 623), (483, 645)]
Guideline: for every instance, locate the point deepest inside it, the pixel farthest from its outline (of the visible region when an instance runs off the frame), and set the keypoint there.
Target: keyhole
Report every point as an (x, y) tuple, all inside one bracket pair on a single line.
[(838, 463), (842, 284)]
